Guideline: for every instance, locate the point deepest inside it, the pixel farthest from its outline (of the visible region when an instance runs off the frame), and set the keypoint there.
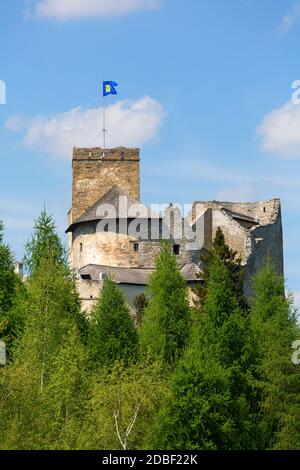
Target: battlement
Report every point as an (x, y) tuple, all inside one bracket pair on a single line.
[(264, 212), (97, 153), (96, 171)]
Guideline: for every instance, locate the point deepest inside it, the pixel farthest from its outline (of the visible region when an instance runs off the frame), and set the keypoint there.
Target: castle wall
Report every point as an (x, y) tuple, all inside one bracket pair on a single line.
[(90, 246), (266, 242), (89, 292), (94, 176), (235, 235), (264, 212)]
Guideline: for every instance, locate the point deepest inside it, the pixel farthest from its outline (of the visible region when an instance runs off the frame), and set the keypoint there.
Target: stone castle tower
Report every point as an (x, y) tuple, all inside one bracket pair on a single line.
[(95, 172), (107, 178)]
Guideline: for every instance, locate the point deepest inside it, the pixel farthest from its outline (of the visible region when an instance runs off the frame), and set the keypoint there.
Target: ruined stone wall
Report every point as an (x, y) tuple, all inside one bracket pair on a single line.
[(94, 176), (236, 236), (265, 242)]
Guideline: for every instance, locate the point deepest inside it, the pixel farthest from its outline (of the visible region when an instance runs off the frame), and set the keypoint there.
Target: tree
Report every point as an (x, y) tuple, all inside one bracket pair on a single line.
[(233, 263), (44, 242), (112, 335), (140, 303), (122, 403), (10, 288), (166, 320), (39, 392), (274, 328), (209, 405), (66, 393)]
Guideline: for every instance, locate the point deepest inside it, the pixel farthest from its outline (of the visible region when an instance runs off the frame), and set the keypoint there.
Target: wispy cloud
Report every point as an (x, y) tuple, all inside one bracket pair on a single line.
[(290, 19), (279, 132), (75, 9), (130, 123)]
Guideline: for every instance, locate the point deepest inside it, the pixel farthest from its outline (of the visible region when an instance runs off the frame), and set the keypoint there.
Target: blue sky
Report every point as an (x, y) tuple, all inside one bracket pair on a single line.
[(205, 90)]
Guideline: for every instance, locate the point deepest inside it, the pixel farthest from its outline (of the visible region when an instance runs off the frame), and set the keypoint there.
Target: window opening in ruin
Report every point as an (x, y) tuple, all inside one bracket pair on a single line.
[(176, 249)]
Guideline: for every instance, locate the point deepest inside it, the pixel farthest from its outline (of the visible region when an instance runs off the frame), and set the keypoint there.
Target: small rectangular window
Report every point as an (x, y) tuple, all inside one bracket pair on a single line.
[(176, 249), (81, 247), (136, 247)]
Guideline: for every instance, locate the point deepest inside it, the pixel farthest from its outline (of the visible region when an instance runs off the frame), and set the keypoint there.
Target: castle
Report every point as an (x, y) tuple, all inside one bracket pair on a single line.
[(111, 233)]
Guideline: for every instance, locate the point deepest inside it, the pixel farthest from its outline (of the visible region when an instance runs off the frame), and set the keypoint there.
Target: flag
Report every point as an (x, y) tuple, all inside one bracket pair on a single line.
[(109, 88)]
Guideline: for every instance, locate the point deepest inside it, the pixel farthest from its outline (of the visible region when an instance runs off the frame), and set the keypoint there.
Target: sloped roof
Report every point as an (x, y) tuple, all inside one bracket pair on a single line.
[(239, 216), (139, 276), (191, 272), (122, 203), (120, 275)]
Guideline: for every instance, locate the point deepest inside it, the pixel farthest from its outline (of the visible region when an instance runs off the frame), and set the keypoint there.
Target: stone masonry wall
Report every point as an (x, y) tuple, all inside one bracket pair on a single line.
[(94, 176)]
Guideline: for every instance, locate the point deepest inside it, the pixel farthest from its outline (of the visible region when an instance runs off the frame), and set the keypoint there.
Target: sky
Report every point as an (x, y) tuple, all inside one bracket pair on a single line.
[(209, 90)]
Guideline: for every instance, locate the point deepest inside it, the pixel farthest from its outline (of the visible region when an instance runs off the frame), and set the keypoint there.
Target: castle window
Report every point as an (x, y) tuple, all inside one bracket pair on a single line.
[(106, 228), (136, 247), (264, 209), (81, 247), (138, 228), (176, 249), (86, 277)]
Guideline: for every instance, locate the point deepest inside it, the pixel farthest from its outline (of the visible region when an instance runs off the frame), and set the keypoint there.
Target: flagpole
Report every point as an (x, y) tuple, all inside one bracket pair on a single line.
[(104, 128)]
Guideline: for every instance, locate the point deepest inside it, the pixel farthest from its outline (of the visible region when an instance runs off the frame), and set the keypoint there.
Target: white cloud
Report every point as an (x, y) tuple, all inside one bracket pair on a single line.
[(290, 19), (279, 131), (73, 9), (128, 123)]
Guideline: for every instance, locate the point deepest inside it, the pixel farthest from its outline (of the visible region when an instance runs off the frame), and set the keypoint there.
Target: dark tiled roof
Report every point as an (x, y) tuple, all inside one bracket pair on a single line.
[(120, 275), (124, 208), (138, 276)]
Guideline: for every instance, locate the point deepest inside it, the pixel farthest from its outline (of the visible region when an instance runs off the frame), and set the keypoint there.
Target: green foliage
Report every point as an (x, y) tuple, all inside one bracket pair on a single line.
[(274, 328), (209, 406), (219, 380), (112, 335), (40, 395), (141, 302), (122, 404), (10, 288), (221, 250), (44, 243), (166, 320)]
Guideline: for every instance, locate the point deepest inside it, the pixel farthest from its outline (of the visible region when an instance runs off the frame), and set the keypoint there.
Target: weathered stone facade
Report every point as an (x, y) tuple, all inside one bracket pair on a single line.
[(96, 171), (254, 230)]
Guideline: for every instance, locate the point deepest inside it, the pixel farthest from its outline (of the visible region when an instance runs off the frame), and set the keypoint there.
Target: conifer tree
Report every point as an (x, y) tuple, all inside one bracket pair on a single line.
[(44, 242), (112, 335), (39, 393), (10, 288), (274, 328), (209, 405), (166, 320), (121, 406), (221, 250), (66, 392)]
